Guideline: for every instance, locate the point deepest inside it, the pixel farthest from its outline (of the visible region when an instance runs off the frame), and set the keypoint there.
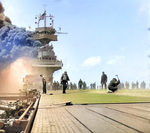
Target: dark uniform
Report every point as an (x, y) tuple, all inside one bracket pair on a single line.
[(103, 80), (64, 81), (113, 85), (44, 85)]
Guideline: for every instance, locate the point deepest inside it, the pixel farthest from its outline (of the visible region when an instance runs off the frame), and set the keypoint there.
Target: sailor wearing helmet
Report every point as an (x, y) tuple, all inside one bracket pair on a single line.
[(64, 81)]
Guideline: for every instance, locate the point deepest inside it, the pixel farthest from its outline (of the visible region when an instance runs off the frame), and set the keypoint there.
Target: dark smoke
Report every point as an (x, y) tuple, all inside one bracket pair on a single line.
[(17, 50), (15, 43), (1, 8)]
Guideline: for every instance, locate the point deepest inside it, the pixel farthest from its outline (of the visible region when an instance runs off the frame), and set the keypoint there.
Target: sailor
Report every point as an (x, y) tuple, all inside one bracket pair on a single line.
[(113, 85), (103, 79), (64, 81), (44, 84)]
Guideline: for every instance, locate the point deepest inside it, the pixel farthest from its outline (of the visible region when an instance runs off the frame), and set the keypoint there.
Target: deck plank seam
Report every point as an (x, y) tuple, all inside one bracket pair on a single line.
[(79, 121), (129, 114), (115, 120)]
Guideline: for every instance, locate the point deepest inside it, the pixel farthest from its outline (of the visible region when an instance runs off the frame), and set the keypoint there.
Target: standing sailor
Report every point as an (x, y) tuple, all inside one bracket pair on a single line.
[(64, 81), (103, 80), (44, 84)]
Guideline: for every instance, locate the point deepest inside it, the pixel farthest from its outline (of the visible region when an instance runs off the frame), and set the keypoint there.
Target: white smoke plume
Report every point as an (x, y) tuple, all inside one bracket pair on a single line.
[(11, 78)]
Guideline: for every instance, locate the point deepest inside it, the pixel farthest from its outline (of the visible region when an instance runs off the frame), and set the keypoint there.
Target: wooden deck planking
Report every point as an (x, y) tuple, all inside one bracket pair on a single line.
[(98, 118)]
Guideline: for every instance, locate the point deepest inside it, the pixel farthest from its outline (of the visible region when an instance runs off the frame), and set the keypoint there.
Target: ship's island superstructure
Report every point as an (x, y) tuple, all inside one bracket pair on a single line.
[(46, 62)]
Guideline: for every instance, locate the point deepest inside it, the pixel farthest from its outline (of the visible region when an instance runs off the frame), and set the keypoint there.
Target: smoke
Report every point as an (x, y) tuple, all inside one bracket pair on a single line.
[(1, 8), (2, 16), (16, 43), (17, 48), (12, 77)]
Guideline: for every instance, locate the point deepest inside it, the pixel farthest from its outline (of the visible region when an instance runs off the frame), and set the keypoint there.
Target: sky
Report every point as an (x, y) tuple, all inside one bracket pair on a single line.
[(102, 35)]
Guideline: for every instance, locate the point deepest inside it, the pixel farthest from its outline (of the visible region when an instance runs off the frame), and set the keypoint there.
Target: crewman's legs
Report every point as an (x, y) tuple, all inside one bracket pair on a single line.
[(113, 89), (104, 84)]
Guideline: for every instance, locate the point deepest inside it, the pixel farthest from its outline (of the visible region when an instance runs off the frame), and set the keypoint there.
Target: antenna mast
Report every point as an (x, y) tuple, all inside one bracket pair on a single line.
[(44, 16)]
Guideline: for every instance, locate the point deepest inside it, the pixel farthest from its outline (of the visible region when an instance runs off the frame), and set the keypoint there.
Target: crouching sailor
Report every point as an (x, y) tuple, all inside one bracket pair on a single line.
[(113, 85)]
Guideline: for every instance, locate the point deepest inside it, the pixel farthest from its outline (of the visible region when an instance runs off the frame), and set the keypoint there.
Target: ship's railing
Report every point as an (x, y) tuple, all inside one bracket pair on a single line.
[(46, 62), (46, 35), (43, 29)]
